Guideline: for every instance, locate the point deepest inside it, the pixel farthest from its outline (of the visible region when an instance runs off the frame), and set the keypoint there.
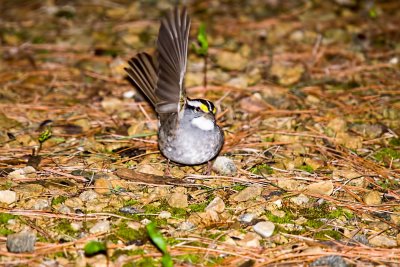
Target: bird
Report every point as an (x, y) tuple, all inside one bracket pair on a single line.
[(188, 133)]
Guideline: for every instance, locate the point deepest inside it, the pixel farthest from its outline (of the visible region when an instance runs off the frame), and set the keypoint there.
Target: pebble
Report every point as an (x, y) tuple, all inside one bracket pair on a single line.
[(349, 141), (264, 229), (286, 72), (76, 226), (372, 198), (110, 104), (8, 196), (321, 188), (247, 217), (130, 210), (88, 195), (178, 200), (102, 186), (337, 125), (145, 221), (300, 200), (383, 241), (217, 205), (164, 214), (224, 166), (22, 173), (251, 240), (40, 204), (64, 209), (29, 190), (238, 82), (247, 194), (331, 261), (149, 169), (291, 185), (368, 130), (231, 60), (74, 202), (100, 227), (186, 226), (21, 242)]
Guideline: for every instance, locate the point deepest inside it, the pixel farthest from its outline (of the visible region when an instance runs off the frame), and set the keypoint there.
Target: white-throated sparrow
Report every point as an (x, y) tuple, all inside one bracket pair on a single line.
[(188, 133)]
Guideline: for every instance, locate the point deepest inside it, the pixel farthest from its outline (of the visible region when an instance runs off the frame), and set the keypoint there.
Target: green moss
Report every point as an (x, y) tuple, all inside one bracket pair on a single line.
[(339, 212), (306, 168), (189, 259), (6, 186), (268, 139), (388, 183), (127, 234), (316, 212), (64, 226), (388, 153), (130, 202), (5, 217), (217, 235), (178, 212), (314, 223), (261, 169), (288, 218), (5, 232), (119, 252), (58, 200), (394, 142), (143, 262), (198, 207), (238, 187), (327, 235), (215, 261)]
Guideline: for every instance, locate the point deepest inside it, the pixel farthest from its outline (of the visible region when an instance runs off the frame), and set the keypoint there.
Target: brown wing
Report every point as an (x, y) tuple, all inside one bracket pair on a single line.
[(143, 74), (172, 46)]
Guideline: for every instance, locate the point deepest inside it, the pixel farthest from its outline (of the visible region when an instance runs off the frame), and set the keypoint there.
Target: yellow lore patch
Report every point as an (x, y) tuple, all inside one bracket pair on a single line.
[(204, 108)]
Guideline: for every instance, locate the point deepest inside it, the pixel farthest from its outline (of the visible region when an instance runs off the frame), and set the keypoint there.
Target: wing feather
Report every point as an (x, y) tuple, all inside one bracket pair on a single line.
[(172, 46)]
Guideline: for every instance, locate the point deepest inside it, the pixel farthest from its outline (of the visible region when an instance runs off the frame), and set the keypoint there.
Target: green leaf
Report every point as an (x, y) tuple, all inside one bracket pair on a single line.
[(46, 134), (202, 41), (94, 247), (156, 237), (160, 243), (166, 260)]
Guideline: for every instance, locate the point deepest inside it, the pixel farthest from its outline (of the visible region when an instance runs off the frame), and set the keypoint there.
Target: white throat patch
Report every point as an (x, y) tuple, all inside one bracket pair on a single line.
[(203, 123)]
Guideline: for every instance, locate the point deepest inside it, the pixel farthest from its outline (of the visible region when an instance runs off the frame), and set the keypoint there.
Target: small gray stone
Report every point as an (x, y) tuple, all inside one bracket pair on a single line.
[(76, 226), (22, 173), (264, 229), (300, 200), (88, 195), (247, 217), (164, 214), (383, 241), (331, 261), (186, 226), (8, 196), (224, 166), (41, 204), (21, 242), (100, 227)]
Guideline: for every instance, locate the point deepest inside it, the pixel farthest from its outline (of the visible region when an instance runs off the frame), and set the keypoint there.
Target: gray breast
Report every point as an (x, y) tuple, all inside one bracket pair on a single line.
[(189, 145)]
